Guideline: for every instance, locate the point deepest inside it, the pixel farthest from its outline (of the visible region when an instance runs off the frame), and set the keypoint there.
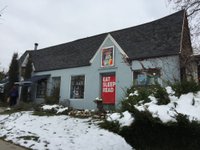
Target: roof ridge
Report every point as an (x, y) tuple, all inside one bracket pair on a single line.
[(143, 24), (69, 42), (110, 32)]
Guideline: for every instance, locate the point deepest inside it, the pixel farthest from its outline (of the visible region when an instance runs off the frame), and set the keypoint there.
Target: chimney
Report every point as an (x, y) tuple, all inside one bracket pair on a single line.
[(36, 45)]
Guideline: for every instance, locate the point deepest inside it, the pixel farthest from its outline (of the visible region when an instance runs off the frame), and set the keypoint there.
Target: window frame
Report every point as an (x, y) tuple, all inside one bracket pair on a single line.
[(83, 93), (147, 72)]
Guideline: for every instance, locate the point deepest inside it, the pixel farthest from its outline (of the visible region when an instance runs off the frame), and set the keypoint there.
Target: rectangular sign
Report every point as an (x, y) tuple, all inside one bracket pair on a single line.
[(107, 57), (108, 89)]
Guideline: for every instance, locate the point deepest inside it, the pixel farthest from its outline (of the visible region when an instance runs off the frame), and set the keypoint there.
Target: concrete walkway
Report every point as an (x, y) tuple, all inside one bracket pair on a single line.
[(9, 146)]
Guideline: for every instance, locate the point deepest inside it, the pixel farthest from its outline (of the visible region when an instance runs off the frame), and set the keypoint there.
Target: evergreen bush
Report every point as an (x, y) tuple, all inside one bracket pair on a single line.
[(161, 95), (133, 99), (142, 96), (149, 133), (111, 126), (185, 87)]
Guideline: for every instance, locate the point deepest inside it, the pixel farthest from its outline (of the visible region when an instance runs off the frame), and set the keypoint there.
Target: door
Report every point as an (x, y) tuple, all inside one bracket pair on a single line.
[(108, 88)]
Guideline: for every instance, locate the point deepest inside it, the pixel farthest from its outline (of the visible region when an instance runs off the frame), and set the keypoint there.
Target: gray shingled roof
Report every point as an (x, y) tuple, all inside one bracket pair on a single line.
[(155, 39)]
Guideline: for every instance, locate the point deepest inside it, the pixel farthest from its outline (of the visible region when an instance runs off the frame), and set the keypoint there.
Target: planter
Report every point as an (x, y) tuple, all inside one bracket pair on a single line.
[(99, 105)]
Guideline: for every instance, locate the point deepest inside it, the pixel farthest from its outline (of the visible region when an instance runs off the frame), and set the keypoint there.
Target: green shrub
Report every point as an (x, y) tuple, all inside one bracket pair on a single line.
[(25, 106), (130, 101), (142, 96), (148, 133), (161, 95), (22, 106), (185, 87), (111, 126), (44, 113)]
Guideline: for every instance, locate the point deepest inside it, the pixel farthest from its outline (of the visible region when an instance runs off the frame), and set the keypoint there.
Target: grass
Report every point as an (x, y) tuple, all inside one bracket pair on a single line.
[(20, 107), (44, 113), (29, 137), (8, 112)]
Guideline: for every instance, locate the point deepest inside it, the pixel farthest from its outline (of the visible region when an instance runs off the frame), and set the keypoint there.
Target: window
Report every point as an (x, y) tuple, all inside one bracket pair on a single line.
[(41, 88), (147, 77), (77, 87)]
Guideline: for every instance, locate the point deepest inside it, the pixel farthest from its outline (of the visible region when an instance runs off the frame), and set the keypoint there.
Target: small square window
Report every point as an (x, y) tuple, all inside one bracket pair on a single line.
[(77, 87)]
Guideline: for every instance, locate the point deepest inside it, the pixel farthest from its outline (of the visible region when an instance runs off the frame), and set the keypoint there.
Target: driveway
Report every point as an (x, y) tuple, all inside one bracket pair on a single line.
[(9, 146)]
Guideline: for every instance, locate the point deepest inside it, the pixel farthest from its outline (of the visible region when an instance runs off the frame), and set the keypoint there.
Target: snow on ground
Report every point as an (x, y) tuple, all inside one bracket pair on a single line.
[(49, 107), (186, 104), (65, 132), (57, 108), (58, 133)]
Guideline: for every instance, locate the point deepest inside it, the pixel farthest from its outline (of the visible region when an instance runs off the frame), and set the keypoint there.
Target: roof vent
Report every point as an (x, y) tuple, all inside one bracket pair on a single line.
[(36, 45)]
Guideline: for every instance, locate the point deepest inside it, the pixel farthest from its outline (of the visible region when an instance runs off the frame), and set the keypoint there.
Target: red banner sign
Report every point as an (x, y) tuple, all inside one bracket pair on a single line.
[(108, 89)]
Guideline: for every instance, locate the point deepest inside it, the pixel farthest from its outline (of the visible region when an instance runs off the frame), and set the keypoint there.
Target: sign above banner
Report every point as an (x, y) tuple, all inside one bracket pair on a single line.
[(107, 57)]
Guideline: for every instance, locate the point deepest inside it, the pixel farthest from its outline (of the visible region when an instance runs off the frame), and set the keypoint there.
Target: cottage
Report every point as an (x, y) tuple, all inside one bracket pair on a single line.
[(105, 65)]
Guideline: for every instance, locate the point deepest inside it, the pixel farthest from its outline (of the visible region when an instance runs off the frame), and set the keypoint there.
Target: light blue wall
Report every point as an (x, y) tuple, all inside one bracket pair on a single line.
[(92, 74), (122, 71), (169, 67)]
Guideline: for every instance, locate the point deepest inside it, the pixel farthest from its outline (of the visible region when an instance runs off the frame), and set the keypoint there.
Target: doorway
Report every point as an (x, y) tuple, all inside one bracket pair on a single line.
[(108, 88)]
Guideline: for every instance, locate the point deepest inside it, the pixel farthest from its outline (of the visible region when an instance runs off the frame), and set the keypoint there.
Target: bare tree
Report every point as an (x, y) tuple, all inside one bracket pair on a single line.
[(193, 12), (2, 10)]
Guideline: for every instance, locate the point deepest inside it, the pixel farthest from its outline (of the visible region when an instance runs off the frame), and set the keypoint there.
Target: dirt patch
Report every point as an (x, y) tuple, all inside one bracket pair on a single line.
[(9, 146)]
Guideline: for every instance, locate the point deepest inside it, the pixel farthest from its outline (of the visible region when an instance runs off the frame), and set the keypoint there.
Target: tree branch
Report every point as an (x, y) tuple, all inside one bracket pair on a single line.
[(194, 11)]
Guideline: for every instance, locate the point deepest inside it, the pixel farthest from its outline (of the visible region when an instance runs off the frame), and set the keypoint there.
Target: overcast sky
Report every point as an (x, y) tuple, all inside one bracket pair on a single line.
[(52, 22)]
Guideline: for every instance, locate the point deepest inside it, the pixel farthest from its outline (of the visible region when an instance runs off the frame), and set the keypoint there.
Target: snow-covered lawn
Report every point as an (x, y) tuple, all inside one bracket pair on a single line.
[(58, 133), (186, 104)]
